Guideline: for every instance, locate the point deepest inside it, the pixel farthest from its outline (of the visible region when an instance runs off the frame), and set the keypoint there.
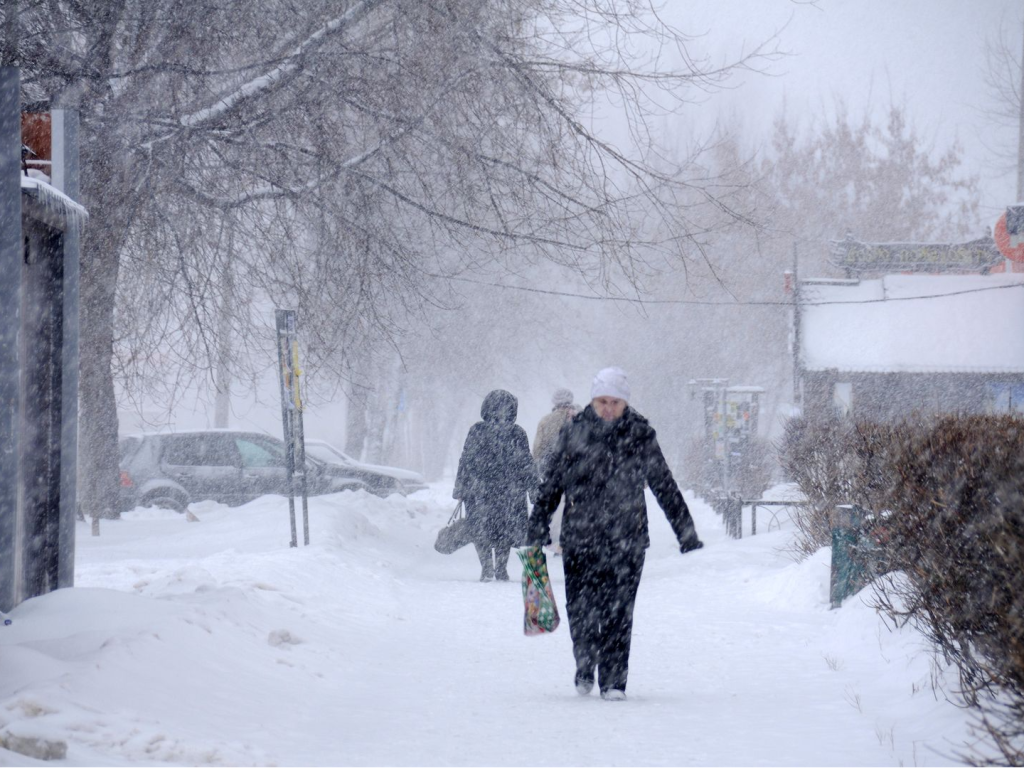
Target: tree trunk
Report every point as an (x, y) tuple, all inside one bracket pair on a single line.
[(222, 375), (9, 52), (355, 421), (437, 425), (376, 427), (98, 457), (382, 414), (104, 193)]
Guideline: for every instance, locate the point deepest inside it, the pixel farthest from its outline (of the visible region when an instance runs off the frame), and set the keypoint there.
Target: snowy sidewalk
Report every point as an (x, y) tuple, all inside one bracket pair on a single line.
[(213, 643)]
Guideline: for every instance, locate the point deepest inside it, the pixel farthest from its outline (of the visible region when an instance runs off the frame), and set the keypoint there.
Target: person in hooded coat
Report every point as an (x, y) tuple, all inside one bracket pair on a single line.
[(496, 473), (602, 461)]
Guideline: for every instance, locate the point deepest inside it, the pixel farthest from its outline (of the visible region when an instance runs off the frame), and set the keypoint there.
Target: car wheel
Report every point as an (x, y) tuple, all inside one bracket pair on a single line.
[(165, 501)]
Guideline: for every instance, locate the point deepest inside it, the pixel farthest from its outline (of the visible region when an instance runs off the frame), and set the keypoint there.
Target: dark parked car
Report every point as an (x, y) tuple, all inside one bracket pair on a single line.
[(382, 480), (170, 470)]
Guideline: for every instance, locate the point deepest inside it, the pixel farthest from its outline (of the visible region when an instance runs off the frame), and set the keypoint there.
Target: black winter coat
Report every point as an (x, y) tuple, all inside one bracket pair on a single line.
[(602, 468), (496, 472)]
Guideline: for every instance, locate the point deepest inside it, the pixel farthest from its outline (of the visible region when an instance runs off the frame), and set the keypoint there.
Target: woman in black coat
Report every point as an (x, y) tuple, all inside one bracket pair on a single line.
[(602, 461), (496, 472)]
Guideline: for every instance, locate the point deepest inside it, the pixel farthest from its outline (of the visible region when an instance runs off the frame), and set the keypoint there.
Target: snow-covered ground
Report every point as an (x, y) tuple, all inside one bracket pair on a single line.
[(213, 642)]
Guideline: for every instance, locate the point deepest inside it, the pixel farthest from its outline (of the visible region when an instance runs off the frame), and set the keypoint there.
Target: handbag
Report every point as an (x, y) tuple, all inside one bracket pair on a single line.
[(456, 534)]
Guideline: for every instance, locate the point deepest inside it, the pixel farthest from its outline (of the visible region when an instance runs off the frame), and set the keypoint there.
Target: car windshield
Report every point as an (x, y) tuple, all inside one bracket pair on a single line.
[(260, 453), (128, 446)]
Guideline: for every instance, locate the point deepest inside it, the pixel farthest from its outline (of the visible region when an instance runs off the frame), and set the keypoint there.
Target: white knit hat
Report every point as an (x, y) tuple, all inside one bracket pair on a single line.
[(562, 397), (610, 382)]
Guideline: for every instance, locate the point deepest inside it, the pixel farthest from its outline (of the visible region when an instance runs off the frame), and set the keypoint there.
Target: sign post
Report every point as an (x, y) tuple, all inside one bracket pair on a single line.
[(291, 418)]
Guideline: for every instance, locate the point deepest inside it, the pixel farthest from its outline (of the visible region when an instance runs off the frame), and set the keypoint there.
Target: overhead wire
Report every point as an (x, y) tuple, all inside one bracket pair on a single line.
[(700, 302)]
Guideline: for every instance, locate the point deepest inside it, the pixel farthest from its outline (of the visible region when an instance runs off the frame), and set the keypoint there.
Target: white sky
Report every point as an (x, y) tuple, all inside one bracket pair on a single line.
[(926, 54)]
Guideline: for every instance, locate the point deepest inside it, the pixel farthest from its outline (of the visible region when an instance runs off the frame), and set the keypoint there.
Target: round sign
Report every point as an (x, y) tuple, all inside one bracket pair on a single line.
[(1012, 252)]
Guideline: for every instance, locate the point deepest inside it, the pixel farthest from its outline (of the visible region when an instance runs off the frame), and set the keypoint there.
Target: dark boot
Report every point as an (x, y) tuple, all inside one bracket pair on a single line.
[(486, 563), (501, 563)]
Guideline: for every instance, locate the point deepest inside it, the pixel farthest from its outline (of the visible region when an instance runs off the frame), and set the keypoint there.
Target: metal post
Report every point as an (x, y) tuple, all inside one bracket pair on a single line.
[(726, 453), (1020, 144), (300, 457), (299, 435), (65, 170), (797, 400), (10, 319)]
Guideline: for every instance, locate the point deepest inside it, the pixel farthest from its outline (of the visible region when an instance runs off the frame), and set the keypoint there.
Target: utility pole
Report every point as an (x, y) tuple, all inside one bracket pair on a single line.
[(1020, 132), (797, 400)]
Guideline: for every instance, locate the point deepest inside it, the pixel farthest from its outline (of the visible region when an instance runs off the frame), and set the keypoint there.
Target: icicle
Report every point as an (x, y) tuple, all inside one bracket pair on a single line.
[(55, 202)]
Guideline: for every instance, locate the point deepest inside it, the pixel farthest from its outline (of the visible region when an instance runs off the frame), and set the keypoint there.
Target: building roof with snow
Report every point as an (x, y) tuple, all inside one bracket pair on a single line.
[(52, 205), (914, 324)]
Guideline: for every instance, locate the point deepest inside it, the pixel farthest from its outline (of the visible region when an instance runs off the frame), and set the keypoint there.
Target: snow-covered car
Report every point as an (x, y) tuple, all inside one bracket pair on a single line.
[(382, 480), (172, 469)]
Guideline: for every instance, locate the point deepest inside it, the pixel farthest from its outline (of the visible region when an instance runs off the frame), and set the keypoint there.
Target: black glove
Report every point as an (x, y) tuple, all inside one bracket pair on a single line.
[(691, 545)]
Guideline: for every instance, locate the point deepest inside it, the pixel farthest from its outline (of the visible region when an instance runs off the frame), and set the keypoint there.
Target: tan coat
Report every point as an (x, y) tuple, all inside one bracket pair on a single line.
[(547, 432)]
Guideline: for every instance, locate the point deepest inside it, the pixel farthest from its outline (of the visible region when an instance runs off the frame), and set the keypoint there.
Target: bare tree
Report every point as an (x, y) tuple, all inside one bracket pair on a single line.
[(875, 181), (728, 315), (357, 150), (1004, 76)]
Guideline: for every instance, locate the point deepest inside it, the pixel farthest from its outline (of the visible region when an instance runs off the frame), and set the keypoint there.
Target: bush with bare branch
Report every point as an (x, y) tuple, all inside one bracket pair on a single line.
[(949, 512), (815, 454), (957, 539)]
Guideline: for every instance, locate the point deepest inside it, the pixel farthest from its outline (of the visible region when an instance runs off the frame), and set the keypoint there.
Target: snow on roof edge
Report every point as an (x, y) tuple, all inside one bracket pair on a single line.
[(913, 369), (54, 201)]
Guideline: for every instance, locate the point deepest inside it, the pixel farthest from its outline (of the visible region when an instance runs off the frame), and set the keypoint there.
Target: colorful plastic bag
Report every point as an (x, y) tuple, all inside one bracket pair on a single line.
[(541, 614)]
